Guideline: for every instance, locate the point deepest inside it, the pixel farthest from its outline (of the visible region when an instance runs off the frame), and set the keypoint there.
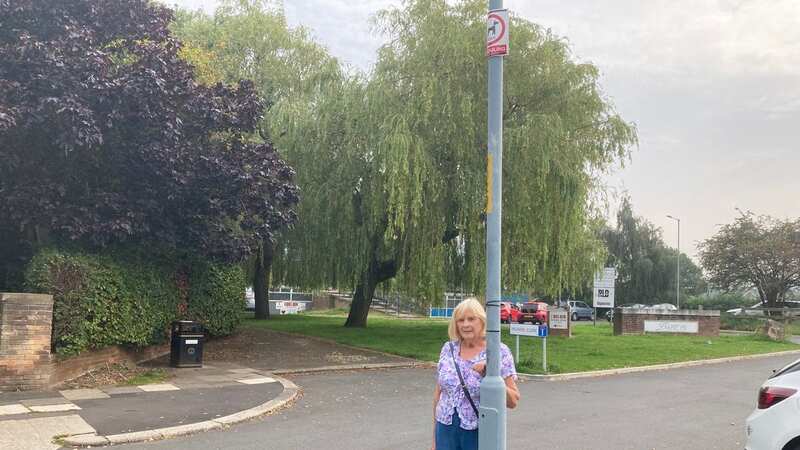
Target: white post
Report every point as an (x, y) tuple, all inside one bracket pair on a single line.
[(544, 354), (517, 353)]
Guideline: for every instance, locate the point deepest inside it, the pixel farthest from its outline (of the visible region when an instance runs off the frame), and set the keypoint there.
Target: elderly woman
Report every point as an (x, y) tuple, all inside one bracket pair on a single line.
[(464, 357)]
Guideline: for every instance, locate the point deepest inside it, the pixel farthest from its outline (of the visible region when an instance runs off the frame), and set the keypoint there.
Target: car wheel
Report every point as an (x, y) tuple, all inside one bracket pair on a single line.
[(574, 317)]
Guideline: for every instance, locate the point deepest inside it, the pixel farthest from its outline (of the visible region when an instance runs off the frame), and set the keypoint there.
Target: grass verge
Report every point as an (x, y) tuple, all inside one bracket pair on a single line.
[(150, 377), (590, 348)]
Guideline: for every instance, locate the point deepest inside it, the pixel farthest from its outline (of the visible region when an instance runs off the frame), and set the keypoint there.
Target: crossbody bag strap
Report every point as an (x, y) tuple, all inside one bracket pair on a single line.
[(461, 378)]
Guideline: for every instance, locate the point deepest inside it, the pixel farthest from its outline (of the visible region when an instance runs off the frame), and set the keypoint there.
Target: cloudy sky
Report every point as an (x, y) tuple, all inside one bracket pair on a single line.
[(713, 87)]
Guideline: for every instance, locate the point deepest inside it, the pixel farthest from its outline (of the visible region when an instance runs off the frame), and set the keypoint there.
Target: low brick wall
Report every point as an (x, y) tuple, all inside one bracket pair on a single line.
[(632, 321), (26, 322), (65, 369)]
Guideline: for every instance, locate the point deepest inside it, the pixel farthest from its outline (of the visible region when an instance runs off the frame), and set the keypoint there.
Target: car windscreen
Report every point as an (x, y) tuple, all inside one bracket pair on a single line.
[(793, 367), (530, 308)]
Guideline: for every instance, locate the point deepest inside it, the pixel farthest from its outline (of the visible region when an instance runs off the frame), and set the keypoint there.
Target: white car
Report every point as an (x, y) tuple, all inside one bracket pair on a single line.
[(775, 424), (665, 306)]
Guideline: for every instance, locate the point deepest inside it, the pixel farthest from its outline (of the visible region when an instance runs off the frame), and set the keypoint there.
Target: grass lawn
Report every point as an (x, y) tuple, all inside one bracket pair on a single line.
[(590, 348)]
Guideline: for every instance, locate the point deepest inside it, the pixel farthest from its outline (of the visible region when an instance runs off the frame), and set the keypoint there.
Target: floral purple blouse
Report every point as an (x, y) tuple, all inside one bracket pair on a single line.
[(452, 397)]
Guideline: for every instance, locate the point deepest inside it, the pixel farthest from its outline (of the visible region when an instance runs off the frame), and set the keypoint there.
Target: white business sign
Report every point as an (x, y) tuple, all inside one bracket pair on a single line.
[(559, 319), (603, 296), (670, 326), (497, 33), (290, 307)]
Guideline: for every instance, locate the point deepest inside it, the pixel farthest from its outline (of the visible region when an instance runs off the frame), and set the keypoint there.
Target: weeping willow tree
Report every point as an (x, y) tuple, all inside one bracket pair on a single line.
[(393, 166), (250, 39)]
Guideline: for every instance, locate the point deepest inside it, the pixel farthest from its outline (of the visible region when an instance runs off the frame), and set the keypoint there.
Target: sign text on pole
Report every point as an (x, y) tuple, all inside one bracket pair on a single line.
[(497, 33), (521, 329), (604, 288)]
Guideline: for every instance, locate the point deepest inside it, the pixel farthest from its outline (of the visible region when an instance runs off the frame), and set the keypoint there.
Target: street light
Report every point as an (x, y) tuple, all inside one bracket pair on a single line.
[(678, 273)]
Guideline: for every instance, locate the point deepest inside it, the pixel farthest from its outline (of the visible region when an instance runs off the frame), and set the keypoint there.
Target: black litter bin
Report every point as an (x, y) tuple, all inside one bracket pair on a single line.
[(187, 344)]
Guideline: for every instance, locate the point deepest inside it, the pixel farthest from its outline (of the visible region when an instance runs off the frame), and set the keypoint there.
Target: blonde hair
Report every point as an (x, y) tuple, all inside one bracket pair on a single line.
[(472, 305)]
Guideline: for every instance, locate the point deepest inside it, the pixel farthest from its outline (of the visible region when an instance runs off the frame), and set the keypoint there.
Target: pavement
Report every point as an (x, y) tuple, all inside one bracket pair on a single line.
[(253, 374), (691, 408), (243, 377), (108, 414)]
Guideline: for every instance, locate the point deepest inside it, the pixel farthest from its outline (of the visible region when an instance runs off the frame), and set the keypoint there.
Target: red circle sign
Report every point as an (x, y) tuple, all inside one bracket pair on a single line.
[(502, 29)]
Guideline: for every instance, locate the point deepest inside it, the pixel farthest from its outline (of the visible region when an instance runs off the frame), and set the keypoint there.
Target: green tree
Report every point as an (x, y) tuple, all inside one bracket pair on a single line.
[(105, 137), (251, 39), (758, 252), (392, 166), (395, 186), (645, 265)]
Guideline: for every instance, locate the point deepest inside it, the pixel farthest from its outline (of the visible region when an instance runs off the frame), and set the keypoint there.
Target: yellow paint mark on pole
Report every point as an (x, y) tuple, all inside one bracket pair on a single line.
[(489, 200)]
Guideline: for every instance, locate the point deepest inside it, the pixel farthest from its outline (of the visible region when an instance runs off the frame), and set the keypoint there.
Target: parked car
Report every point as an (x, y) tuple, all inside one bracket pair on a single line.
[(509, 312), (775, 423), (579, 310), (755, 310), (610, 312), (534, 312), (666, 306)]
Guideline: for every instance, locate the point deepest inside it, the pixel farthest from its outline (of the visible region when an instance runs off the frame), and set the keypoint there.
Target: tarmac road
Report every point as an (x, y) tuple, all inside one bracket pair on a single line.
[(692, 408)]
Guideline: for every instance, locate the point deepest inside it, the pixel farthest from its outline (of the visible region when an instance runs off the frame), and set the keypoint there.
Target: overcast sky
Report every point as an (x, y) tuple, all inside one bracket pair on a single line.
[(713, 87)]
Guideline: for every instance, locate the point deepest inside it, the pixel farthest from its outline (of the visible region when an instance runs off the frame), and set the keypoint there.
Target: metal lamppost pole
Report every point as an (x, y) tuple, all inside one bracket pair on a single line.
[(678, 273), (492, 413)]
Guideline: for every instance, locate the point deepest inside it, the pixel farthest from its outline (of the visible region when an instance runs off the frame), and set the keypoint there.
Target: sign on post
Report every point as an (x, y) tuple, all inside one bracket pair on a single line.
[(603, 296), (497, 33), (519, 329), (559, 319)]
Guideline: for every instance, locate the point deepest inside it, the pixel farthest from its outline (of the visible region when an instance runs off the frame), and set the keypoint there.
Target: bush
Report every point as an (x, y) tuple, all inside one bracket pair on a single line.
[(125, 297), (720, 301), (216, 296), (99, 300)]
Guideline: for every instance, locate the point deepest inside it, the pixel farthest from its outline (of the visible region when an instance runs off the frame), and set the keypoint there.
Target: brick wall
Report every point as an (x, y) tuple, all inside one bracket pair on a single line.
[(631, 320), (26, 322)]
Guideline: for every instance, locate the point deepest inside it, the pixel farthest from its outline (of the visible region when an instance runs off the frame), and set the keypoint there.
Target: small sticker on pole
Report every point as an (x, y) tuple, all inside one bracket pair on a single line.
[(497, 33)]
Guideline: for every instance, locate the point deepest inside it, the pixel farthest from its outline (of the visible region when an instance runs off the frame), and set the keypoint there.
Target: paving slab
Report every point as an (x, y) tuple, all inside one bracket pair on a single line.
[(7, 398), (122, 390), (54, 408), (38, 433), (83, 394), (259, 380), (242, 371), (158, 387), (16, 408), (44, 401)]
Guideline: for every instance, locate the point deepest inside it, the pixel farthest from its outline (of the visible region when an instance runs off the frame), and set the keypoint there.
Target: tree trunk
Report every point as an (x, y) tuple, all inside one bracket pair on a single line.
[(261, 280), (377, 272)]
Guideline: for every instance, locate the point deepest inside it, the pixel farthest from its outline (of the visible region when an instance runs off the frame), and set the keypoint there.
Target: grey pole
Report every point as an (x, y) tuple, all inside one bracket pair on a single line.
[(678, 273), (492, 420)]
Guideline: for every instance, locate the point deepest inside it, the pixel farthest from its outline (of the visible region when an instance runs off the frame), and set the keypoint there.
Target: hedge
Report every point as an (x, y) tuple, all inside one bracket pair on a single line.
[(124, 297)]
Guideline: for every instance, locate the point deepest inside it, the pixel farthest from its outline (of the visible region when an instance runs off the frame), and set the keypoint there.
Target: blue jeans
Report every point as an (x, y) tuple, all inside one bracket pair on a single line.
[(453, 437)]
